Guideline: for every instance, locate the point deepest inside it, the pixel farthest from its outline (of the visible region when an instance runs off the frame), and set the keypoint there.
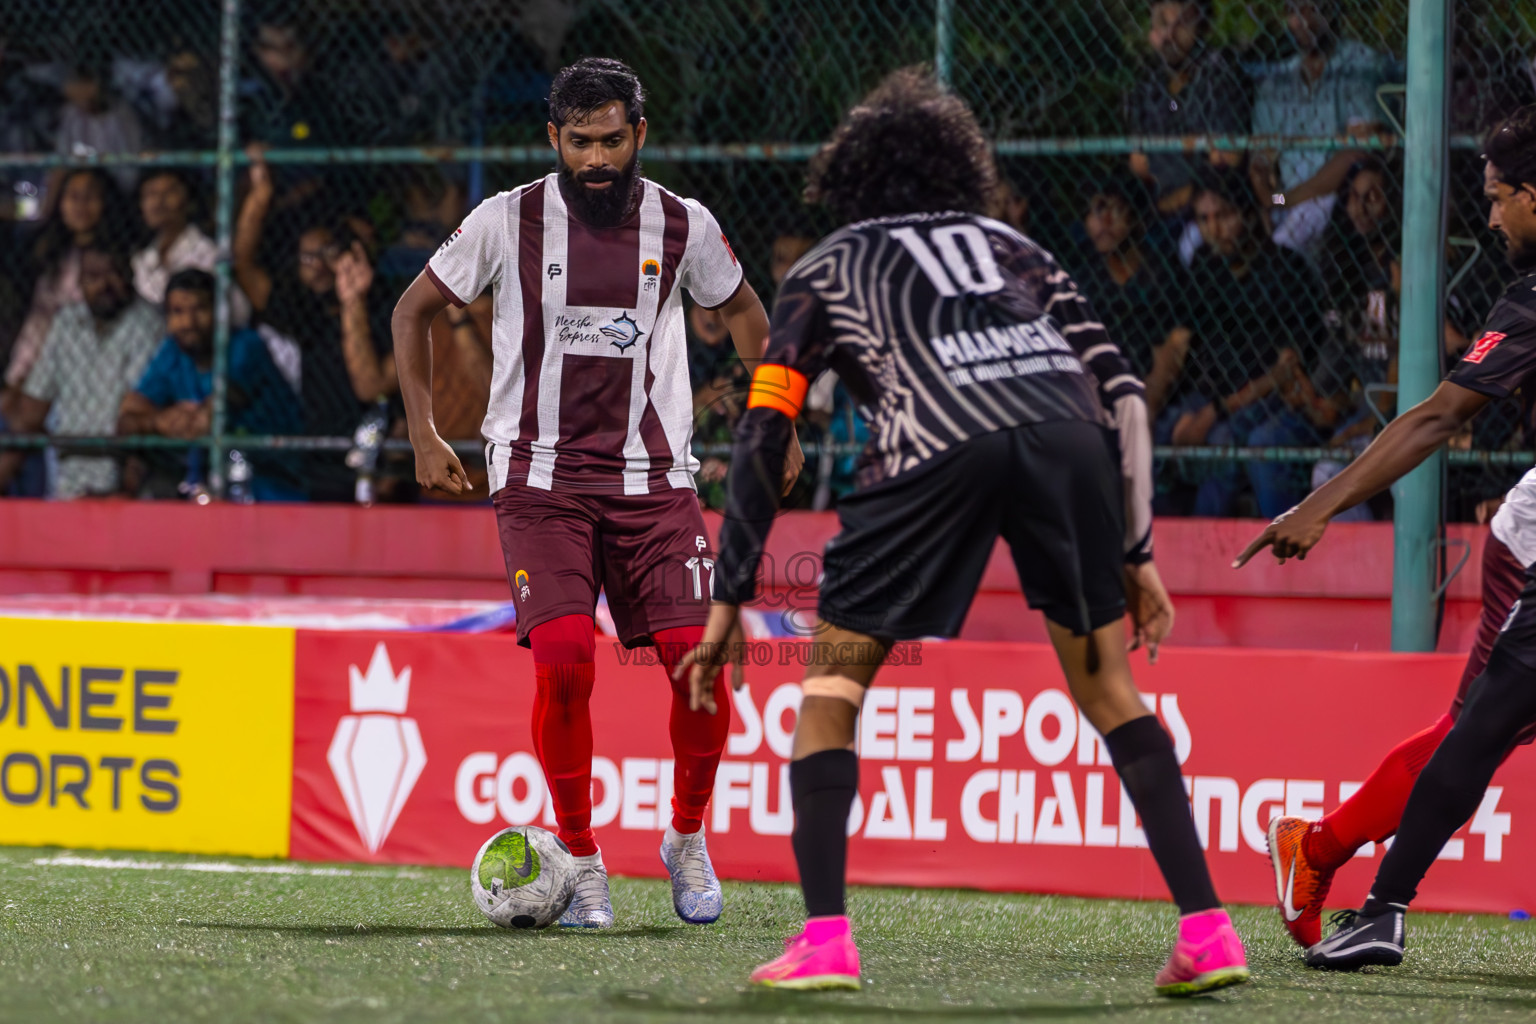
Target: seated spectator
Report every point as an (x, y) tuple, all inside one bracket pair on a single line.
[(1327, 88), (1189, 88), (94, 121), (193, 123), (1127, 282), (90, 213), (28, 124), (166, 206), (284, 103), (719, 383), (431, 204), (1010, 205), (96, 350), (1251, 322), (405, 88), (326, 305), (788, 247), (1353, 391), (174, 396)]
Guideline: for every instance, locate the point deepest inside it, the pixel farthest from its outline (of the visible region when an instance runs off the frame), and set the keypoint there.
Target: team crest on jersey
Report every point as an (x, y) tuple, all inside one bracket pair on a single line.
[(622, 332), (1484, 345), (650, 268), (521, 580)]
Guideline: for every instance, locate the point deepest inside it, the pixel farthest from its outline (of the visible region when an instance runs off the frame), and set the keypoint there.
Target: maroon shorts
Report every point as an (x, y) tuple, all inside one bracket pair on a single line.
[(1503, 580), (648, 552)]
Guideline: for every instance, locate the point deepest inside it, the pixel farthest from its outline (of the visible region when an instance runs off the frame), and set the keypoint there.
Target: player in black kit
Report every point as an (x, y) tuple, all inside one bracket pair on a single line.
[(1500, 703), (993, 396)]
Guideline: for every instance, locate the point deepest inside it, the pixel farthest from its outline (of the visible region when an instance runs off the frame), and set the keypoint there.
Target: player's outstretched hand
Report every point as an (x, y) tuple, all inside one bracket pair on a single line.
[(1150, 606), (722, 642), (1291, 535), (794, 461), (437, 467)]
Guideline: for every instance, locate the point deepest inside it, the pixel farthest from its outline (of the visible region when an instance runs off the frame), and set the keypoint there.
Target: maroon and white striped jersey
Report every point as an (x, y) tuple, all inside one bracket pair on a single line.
[(589, 391)]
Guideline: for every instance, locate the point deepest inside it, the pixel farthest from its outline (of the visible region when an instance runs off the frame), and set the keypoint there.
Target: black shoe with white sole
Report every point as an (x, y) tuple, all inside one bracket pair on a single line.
[(1359, 941)]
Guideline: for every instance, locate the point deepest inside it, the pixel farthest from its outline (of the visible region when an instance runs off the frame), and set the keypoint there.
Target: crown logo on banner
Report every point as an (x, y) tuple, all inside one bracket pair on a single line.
[(380, 689), (377, 755)]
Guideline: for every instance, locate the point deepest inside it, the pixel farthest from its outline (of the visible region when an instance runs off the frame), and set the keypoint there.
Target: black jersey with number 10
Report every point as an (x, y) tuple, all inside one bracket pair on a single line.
[(944, 327)]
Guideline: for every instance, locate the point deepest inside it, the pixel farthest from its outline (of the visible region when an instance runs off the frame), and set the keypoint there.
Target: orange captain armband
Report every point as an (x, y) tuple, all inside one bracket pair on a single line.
[(777, 387)]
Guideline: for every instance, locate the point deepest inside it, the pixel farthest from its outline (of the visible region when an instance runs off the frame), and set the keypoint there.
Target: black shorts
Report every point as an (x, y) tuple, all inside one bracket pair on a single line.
[(912, 550)]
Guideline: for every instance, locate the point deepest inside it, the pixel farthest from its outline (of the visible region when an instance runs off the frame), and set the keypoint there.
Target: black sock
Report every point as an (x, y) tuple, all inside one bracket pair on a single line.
[(1143, 755), (823, 787), (1500, 703)]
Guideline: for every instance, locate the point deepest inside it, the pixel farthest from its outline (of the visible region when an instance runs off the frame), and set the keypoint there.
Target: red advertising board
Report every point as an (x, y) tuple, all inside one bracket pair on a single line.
[(977, 771)]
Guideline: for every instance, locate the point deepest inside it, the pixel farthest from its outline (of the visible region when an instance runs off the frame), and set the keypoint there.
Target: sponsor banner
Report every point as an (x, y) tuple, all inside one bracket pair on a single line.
[(977, 771), (145, 736)]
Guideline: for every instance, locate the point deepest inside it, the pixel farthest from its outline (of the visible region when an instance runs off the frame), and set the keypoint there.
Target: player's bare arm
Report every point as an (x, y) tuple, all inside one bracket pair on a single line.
[(1406, 442), (436, 464), (747, 321)]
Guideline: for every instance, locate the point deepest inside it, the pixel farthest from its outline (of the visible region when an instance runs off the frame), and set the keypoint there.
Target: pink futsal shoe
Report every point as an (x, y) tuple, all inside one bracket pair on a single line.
[(1208, 956), (821, 957)]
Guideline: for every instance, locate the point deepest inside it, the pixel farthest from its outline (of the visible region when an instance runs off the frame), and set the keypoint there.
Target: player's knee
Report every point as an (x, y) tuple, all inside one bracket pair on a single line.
[(568, 640)]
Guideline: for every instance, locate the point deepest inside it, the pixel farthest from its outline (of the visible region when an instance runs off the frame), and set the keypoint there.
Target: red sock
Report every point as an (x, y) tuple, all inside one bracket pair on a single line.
[(563, 650), (698, 737), (1372, 813)]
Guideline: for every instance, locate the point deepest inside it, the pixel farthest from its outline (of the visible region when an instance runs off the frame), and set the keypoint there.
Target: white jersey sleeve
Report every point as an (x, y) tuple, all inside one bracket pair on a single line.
[(710, 271), (470, 261), (1515, 521)]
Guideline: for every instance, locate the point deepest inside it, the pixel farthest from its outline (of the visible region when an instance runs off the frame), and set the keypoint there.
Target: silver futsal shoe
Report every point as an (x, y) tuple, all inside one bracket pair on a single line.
[(696, 894), (591, 906)]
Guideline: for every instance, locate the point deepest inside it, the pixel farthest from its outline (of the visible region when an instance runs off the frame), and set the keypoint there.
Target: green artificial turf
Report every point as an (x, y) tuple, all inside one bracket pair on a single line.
[(382, 945)]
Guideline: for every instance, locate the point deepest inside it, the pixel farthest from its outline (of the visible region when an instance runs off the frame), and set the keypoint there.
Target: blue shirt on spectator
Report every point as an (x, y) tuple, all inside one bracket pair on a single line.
[(259, 400)]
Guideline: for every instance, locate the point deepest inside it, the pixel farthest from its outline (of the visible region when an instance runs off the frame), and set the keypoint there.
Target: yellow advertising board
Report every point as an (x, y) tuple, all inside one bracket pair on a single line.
[(146, 736)]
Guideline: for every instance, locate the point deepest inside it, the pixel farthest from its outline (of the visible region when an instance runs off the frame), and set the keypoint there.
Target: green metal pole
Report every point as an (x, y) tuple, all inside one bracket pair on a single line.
[(224, 219), (1417, 519), (944, 42)]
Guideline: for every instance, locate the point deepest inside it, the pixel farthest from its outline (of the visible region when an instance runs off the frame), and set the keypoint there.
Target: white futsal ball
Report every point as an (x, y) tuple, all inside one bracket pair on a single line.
[(523, 877)]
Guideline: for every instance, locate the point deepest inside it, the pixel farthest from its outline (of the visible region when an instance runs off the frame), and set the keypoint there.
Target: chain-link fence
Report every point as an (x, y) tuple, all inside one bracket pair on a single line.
[(1223, 179)]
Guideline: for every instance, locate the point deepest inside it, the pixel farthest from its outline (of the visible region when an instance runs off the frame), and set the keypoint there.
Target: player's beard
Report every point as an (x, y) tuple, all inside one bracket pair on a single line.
[(1521, 256), (602, 207)]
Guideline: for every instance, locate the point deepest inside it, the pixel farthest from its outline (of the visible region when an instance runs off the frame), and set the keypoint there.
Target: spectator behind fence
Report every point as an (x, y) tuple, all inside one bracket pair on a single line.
[(1327, 88), (406, 90), (1252, 320), (1353, 391), (28, 124), (1188, 88), (282, 102), (1128, 282), (94, 122), (95, 351), (193, 122), (719, 383), (325, 303), (167, 204), (90, 212), (431, 206), (788, 247), (173, 398)]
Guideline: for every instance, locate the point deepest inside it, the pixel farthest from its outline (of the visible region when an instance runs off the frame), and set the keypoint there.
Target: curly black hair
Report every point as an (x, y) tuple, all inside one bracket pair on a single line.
[(1511, 147), (579, 89), (910, 146)]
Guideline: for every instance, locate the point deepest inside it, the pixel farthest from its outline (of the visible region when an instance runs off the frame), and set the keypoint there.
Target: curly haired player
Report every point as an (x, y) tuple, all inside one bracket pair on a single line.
[(989, 384)]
